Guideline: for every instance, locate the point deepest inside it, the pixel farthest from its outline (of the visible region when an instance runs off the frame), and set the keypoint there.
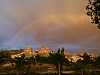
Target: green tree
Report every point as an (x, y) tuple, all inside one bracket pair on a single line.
[(84, 64), (37, 58), (30, 65), (4, 54), (97, 62), (58, 58), (19, 61)]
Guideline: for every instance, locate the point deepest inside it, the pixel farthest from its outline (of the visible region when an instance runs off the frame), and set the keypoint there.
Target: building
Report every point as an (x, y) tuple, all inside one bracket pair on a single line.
[(42, 51), (74, 57), (28, 52)]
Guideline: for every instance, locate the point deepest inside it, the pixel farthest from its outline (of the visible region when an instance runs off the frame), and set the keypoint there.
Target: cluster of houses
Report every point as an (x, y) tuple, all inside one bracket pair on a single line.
[(29, 52)]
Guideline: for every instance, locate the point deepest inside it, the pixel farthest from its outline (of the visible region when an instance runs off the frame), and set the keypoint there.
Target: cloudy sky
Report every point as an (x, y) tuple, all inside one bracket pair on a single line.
[(49, 23)]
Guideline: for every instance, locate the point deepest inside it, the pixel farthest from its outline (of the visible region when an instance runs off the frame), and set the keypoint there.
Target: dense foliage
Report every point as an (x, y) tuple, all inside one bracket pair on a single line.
[(93, 10)]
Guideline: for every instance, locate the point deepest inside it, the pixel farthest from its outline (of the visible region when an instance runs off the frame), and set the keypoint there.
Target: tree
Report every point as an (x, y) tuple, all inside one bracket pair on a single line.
[(84, 64), (97, 61), (58, 58), (29, 65), (19, 61), (37, 58), (5, 54), (93, 10)]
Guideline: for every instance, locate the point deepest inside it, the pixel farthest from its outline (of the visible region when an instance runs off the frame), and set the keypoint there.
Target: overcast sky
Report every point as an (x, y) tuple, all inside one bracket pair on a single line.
[(49, 23)]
